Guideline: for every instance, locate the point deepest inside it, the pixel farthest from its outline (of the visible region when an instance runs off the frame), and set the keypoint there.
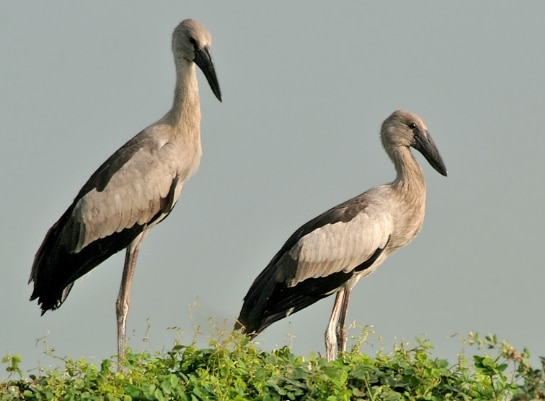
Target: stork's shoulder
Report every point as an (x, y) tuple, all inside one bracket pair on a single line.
[(369, 202), (104, 173), (373, 202)]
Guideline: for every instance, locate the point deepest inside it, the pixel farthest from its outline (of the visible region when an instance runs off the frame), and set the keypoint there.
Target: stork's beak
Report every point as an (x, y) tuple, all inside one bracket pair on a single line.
[(204, 60), (425, 145)]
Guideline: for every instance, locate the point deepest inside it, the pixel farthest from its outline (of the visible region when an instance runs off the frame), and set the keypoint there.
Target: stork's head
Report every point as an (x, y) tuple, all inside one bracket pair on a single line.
[(403, 128), (191, 41)]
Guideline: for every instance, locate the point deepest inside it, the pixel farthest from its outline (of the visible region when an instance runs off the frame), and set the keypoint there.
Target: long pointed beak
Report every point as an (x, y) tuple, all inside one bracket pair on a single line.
[(425, 145), (204, 60)]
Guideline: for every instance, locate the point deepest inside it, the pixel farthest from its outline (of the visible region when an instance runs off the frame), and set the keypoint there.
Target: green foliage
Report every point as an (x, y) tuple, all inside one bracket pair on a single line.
[(235, 369)]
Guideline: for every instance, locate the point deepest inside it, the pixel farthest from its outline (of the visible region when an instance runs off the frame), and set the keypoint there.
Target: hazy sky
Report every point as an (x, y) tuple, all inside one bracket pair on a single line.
[(306, 87)]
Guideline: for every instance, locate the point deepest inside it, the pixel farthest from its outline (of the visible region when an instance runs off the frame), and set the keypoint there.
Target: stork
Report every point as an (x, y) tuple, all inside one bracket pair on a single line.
[(331, 252), (132, 191)]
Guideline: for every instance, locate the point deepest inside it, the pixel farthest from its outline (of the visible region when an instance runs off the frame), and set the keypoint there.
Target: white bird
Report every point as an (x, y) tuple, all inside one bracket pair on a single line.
[(331, 252), (132, 191)]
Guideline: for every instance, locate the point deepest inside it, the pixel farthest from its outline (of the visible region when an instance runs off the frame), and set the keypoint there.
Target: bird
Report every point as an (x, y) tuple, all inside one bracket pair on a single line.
[(132, 191), (331, 252)]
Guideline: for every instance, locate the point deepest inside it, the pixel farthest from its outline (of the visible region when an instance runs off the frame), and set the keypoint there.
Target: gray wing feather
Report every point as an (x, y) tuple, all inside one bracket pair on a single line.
[(340, 246), (132, 194)]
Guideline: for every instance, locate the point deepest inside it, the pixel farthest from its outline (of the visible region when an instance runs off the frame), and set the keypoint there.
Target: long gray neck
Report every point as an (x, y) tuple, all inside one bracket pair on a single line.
[(409, 179), (185, 111)]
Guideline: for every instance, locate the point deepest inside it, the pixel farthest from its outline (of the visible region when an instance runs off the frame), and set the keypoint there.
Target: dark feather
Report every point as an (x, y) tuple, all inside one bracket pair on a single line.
[(269, 300), (56, 268)]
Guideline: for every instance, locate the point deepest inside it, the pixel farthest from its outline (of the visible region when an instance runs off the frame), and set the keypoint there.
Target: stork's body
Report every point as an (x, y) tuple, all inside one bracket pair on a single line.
[(133, 190), (331, 252)]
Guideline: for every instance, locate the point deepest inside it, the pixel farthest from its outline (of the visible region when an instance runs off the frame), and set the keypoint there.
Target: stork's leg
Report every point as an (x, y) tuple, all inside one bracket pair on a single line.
[(342, 334), (331, 332), (124, 298)]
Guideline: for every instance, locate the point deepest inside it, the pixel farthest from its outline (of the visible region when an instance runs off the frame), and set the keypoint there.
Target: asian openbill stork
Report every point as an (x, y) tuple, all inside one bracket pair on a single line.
[(132, 191), (331, 252)]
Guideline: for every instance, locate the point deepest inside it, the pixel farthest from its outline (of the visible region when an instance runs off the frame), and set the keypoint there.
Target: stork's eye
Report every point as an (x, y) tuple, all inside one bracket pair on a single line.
[(413, 126), (192, 41)]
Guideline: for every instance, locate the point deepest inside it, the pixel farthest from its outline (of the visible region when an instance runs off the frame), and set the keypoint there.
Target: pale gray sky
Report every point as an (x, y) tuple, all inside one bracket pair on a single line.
[(306, 87)]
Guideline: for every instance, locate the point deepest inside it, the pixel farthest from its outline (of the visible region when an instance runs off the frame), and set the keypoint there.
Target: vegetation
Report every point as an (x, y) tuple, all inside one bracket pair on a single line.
[(235, 369)]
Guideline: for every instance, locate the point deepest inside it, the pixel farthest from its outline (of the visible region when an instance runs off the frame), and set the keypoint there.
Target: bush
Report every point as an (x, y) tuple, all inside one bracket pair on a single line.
[(235, 369)]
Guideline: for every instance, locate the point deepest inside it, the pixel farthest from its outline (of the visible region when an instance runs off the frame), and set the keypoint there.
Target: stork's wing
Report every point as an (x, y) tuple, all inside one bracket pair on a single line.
[(317, 259), (338, 240), (335, 247), (136, 187), (139, 184)]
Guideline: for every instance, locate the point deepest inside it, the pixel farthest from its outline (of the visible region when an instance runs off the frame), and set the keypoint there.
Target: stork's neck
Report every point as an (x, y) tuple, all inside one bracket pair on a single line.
[(409, 179), (185, 112)]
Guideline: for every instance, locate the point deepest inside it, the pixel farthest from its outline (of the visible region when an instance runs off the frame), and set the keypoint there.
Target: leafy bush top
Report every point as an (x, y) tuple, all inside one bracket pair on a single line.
[(235, 369)]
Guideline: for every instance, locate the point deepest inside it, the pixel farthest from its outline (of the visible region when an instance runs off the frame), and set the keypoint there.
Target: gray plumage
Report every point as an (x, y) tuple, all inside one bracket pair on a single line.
[(133, 190), (331, 252)]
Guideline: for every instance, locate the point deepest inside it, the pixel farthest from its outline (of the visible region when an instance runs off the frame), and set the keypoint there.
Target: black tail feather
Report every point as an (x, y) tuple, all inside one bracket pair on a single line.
[(268, 301), (55, 268)]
